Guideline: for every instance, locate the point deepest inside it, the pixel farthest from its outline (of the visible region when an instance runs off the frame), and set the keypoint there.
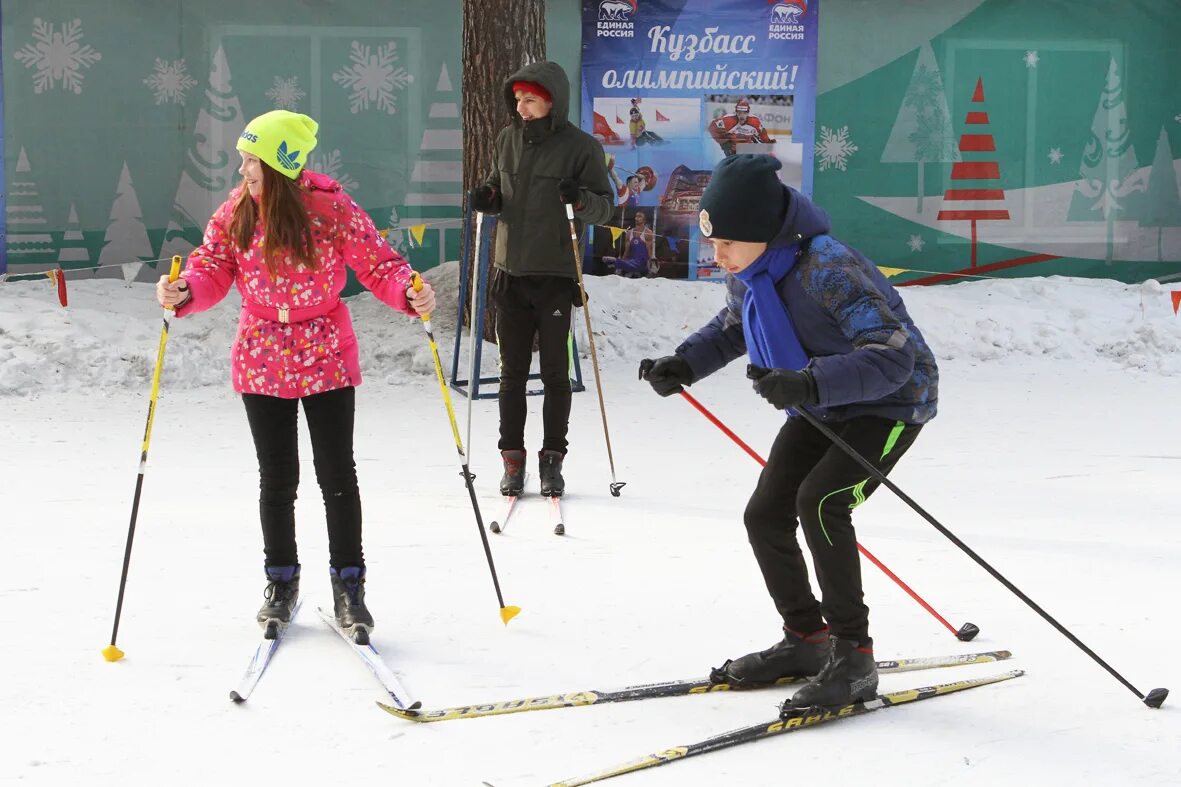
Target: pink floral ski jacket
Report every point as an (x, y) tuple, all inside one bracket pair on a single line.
[(304, 356)]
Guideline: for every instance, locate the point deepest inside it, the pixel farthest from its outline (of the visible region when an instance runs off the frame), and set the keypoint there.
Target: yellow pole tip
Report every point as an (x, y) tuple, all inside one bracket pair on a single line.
[(112, 653), (508, 613)]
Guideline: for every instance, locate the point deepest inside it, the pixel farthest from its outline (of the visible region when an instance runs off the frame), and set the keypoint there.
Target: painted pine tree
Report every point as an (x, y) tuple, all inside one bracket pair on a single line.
[(211, 166), (126, 243), (1109, 188), (974, 194), (29, 241), (922, 131), (1162, 201), (72, 253)]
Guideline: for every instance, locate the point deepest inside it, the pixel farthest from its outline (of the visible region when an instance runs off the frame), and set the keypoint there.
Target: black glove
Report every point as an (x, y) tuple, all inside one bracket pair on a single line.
[(569, 191), (783, 388), (666, 375), (728, 148), (484, 199)]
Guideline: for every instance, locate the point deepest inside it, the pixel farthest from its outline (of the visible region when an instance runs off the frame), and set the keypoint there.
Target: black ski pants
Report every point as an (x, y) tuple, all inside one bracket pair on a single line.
[(273, 424), (811, 483), (528, 305)]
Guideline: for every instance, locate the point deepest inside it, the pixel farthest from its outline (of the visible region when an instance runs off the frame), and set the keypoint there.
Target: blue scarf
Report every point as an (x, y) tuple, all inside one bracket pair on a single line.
[(771, 339)]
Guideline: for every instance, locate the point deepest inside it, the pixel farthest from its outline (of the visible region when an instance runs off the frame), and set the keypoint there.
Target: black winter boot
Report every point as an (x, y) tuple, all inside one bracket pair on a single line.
[(281, 593), (849, 676), (795, 656), (348, 596), (512, 483), (550, 466)]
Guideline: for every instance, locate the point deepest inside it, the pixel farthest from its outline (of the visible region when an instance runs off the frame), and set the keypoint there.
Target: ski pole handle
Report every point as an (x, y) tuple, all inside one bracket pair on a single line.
[(173, 275), (416, 283)]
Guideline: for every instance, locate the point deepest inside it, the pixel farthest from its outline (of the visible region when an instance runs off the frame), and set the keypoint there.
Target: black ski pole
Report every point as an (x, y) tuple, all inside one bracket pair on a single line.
[(111, 652), (1154, 698)]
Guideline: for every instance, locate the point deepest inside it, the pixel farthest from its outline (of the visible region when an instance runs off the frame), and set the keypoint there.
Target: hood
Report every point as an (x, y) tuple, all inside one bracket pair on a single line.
[(553, 78), (803, 220), (318, 182)]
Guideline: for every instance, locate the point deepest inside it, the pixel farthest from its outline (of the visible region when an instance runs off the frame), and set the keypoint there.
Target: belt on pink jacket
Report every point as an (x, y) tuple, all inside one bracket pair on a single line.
[(275, 314)]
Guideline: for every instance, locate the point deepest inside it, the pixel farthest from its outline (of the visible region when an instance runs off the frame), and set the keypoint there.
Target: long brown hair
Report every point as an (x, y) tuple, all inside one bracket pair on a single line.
[(286, 227)]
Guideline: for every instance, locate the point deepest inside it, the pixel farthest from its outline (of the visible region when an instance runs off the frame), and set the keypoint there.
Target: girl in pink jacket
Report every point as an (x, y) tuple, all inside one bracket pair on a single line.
[(284, 238)]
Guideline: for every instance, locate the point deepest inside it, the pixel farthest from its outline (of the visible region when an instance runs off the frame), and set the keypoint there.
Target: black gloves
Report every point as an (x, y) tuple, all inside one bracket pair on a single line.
[(484, 199), (569, 191), (728, 148), (783, 388), (666, 375)]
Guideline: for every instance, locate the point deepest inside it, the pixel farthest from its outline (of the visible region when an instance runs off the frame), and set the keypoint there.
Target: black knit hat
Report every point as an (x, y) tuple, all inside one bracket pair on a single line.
[(744, 199)]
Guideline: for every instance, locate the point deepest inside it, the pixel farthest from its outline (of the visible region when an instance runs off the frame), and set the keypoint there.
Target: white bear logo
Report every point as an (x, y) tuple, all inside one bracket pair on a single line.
[(614, 10), (783, 14)]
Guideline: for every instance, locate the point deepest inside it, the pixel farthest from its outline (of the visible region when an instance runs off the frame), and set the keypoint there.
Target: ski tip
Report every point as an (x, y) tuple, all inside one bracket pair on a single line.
[(236, 697), (616, 487), (112, 653), (1156, 698), (967, 632), (508, 613)]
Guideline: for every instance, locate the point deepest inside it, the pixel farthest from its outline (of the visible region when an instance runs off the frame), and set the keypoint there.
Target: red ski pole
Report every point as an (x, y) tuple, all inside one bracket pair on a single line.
[(965, 633)]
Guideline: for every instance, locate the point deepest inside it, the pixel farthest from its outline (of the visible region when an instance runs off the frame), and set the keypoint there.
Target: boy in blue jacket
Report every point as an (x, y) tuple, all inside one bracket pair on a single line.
[(827, 333)]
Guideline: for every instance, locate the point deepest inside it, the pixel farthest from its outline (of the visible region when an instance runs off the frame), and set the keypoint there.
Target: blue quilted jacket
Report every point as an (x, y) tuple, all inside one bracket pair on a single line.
[(867, 355)]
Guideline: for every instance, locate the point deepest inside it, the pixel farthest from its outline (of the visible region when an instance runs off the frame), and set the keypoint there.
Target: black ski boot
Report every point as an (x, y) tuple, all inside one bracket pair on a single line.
[(348, 596), (849, 676), (795, 656), (281, 593), (512, 483), (550, 466)]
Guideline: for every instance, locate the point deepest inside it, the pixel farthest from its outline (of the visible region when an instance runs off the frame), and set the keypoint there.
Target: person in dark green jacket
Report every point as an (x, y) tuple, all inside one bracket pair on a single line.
[(541, 163)]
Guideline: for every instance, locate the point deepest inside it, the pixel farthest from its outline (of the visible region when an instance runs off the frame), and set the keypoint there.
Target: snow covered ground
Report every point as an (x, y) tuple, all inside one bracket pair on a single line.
[(1055, 456)]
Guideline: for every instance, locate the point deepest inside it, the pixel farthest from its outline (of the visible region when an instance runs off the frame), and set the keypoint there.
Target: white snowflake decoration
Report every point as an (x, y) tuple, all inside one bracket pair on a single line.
[(170, 81), (1031, 59), (57, 56), (1055, 155), (285, 93), (329, 164), (373, 77), (1177, 117), (916, 243), (835, 148)]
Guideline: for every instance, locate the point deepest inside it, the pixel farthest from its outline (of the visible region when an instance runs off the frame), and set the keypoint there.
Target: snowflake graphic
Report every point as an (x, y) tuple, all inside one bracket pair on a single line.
[(57, 56), (285, 93), (329, 164), (1031, 59), (933, 138), (373, 77), (1055, 155), (834, 148), (916, 243), (1178, 117), (925, 88), (170, 81)]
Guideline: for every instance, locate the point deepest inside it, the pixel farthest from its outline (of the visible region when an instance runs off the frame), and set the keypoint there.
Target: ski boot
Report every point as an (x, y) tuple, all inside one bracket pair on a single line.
[(281, 593), (550, 466), (850, 675), (795, 656), (348, 597), (512, 483)]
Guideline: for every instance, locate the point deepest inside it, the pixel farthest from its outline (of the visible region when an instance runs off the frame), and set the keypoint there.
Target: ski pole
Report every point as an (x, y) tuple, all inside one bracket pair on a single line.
[(965, 633), (110, 652), (1154, 699), (506, 613), (472, 371), (616, 486)]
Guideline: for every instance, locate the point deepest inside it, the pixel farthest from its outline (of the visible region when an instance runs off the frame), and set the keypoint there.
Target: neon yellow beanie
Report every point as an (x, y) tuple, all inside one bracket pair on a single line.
[(282, 139)]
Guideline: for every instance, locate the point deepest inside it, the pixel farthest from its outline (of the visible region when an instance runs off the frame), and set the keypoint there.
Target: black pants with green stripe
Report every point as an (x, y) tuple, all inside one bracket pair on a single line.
[(528, 305), (812, 483)]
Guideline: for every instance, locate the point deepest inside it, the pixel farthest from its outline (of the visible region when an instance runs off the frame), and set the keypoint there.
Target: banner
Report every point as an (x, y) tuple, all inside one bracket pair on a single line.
[(670, 87)]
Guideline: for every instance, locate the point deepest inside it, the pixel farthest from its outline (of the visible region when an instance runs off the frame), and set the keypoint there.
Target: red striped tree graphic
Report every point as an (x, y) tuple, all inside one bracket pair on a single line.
[(974, 195)]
